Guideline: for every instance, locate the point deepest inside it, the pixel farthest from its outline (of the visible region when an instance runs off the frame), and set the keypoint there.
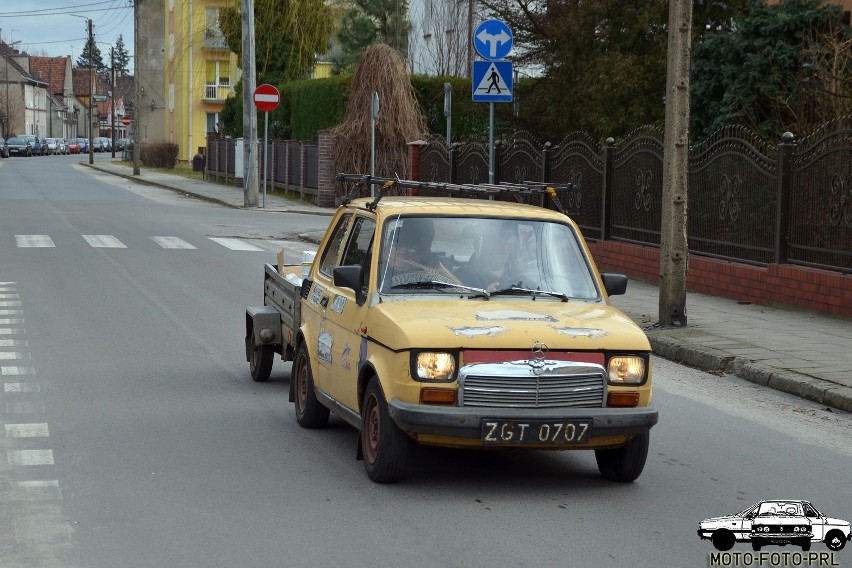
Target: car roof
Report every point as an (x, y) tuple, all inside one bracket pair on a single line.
[(455, 207)]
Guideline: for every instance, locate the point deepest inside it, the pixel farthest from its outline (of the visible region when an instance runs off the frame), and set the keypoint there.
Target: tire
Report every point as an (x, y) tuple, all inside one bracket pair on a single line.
[(723, 540), (624, 464), (383, 444), (756, 546), (260, 360), (806, 546), (309, 412), (835, 540)]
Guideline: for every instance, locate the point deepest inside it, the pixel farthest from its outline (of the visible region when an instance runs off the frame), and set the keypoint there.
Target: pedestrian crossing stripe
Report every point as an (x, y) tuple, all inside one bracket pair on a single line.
[(103, 241), (492, 81), (109, 241), (234, 244), (172, 243)]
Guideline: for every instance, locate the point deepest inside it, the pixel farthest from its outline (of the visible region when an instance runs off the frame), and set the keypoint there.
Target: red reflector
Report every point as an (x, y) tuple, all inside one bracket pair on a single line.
[(622, 399), (437, 396)]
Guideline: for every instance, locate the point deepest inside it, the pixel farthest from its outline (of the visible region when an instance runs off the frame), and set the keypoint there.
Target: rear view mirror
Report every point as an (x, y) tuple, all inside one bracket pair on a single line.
[(614, 284), (350, 277)]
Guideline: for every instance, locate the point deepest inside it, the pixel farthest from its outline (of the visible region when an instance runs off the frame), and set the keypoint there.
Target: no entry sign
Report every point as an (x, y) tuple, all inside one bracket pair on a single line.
[(266, 98), (126, 120)]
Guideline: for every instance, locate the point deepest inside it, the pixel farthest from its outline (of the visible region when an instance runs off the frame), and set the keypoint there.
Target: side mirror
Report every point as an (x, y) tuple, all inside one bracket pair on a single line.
[(350, 277), (614, 284)]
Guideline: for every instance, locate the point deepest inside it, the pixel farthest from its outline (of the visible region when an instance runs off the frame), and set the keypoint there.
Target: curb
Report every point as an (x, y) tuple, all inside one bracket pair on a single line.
[(717, 361)]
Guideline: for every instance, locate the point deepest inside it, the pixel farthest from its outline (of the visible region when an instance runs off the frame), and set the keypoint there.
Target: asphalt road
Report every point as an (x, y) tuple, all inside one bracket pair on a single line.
[(134, 435)]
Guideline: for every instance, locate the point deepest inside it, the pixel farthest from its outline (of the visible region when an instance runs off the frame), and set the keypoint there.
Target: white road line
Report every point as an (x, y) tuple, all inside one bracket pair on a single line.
[(7, 295), (13, 371), (13, 343), (103, 241), (35, 430), (21, 387), (9, 303), (11, 321), (235, 244), (25, 407), (11, 312), (14, 355), (11, 331), (35, 490), (29, 457), (34, 241), (172, 243)]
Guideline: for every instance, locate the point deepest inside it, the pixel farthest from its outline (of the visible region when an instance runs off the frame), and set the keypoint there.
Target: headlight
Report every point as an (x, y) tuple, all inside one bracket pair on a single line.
[(432, 366), (626, 370)]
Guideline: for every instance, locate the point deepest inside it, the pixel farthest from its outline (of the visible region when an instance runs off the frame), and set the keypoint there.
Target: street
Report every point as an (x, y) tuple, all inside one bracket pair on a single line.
[(134, 435)]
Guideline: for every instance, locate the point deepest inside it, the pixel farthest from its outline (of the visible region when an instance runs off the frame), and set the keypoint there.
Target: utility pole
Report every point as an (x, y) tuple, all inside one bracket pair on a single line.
[(112, 97), (673, 241), (250, 169), (91, 95), (137, 103)]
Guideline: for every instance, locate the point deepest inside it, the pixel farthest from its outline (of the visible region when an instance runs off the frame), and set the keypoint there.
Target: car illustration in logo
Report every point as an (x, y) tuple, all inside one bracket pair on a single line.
[(778, 522)]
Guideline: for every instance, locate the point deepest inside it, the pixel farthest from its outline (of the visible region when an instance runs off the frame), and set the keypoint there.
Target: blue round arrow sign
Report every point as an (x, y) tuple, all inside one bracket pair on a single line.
[(493, 39)]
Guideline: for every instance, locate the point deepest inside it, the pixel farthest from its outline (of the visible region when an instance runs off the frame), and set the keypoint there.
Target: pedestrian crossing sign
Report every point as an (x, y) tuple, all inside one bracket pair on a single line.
[(492, 81)]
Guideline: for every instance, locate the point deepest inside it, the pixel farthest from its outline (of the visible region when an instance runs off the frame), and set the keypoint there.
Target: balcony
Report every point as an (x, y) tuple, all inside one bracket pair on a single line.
[(213, 39), (217, 93)]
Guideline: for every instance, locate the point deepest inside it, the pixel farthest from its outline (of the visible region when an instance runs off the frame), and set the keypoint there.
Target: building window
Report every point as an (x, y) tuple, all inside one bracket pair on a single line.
[(212, 121)]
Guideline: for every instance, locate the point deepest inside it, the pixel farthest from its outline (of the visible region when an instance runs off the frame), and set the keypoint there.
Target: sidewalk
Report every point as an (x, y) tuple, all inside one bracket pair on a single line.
[(803, 353)]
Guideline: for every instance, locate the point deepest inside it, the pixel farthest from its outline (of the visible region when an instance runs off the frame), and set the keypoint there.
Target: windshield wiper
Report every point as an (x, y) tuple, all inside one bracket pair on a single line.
[(439, 285), (519, 290)]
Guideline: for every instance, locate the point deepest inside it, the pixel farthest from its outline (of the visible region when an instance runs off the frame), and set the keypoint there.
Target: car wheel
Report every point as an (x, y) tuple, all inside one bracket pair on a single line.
[(723, 540), (806, 546), (756, 546), (309, 412), (383, 444), (260, 359), (624, 464), (835, 540)]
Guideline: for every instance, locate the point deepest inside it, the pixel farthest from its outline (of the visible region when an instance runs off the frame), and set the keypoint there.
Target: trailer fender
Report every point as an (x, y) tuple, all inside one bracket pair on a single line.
[(264, 322)]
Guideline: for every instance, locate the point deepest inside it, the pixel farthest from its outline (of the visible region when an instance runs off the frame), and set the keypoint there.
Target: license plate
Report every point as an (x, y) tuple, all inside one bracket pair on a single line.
[(537, 432)]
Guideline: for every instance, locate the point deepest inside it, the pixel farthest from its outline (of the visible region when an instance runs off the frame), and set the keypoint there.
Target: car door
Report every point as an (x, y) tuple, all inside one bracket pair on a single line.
[(742, 530), (315, 308), (345, 317)]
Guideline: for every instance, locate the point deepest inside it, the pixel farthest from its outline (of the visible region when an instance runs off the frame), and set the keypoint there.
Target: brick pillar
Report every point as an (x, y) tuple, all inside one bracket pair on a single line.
[(414, 150), (325, 180), (303, 166)]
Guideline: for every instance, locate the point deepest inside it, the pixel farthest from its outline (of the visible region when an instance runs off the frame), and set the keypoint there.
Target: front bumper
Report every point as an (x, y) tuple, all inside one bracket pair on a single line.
[(466, 422)]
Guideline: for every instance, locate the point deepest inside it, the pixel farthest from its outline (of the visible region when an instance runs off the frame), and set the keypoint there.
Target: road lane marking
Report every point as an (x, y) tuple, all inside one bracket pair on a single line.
[(8, 295), (13, 343), (25, 407), (34, 430), (21, 387), (235, 244), (13, 371), (9, 303), (103, 241), (11, 331), (29, 457), (34, 241), (35, 490), (11, 312), (14, 355), (11, 321), (172, 243)]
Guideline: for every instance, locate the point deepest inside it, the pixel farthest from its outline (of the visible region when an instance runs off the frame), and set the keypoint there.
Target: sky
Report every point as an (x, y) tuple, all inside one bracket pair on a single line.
[(58, 27)]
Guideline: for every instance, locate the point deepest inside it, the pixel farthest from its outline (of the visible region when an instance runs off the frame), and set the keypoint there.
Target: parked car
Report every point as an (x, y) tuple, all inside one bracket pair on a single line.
[(84, 145), (73, 146), (52, 145), (101, 144), (4, 148), (20, 146), (63, 145), (122, 143)]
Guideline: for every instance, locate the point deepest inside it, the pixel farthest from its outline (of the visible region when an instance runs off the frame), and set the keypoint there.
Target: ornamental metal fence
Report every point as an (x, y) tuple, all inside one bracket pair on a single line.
[(290, 165), (749, 200)]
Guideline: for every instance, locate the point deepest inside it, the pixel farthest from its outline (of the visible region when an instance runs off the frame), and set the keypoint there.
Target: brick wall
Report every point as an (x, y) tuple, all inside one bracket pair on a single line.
[(325, 176), (799, 286)]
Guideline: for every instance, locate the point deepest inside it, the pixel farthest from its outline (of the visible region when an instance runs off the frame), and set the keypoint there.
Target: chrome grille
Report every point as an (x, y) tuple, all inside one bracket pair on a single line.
[(517, 385)]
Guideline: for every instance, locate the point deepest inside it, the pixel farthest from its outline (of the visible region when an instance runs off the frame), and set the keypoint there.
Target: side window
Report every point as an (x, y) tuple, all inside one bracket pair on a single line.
[(335, 244), (361, 241)]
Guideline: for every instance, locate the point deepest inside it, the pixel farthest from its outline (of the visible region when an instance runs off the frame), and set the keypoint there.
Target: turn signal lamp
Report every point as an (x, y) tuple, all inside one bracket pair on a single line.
[(623, 399), (429, 395)]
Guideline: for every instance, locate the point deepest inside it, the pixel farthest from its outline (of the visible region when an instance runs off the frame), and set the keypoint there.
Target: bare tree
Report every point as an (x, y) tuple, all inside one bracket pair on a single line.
[(438, 43), (11, 110)]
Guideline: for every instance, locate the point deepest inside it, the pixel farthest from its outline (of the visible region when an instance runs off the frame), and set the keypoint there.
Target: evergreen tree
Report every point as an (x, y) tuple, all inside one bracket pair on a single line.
[(91, 58), (373, 21), (121, 57)]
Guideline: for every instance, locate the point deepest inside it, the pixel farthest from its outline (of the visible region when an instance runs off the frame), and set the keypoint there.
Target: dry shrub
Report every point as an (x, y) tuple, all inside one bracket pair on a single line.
[(159, 154), (400, 120)]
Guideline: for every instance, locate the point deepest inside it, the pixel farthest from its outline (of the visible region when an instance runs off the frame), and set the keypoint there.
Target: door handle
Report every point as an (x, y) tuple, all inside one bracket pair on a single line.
[(324, 301)]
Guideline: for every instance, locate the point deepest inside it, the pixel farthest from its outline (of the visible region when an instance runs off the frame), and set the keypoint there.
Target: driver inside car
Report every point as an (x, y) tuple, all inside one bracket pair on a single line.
[(410, 259), (491, 261)]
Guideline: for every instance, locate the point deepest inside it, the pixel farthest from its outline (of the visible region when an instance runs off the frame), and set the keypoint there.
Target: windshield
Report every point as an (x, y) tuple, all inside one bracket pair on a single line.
[(496, 255), (780, 508)]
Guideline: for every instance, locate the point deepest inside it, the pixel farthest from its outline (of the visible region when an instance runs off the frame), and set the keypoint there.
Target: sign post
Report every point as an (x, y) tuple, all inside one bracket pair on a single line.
[(493, 41), (374, 114), (266, 99)]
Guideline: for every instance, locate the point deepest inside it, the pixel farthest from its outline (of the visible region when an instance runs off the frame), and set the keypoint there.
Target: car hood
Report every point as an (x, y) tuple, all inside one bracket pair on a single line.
[(503, 324), (781, 520), (724, 519), (833, 521)]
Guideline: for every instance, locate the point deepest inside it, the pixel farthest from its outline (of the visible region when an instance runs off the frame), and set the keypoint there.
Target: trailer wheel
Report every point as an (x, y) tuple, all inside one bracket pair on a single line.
[(309, 412), (260, 359)]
